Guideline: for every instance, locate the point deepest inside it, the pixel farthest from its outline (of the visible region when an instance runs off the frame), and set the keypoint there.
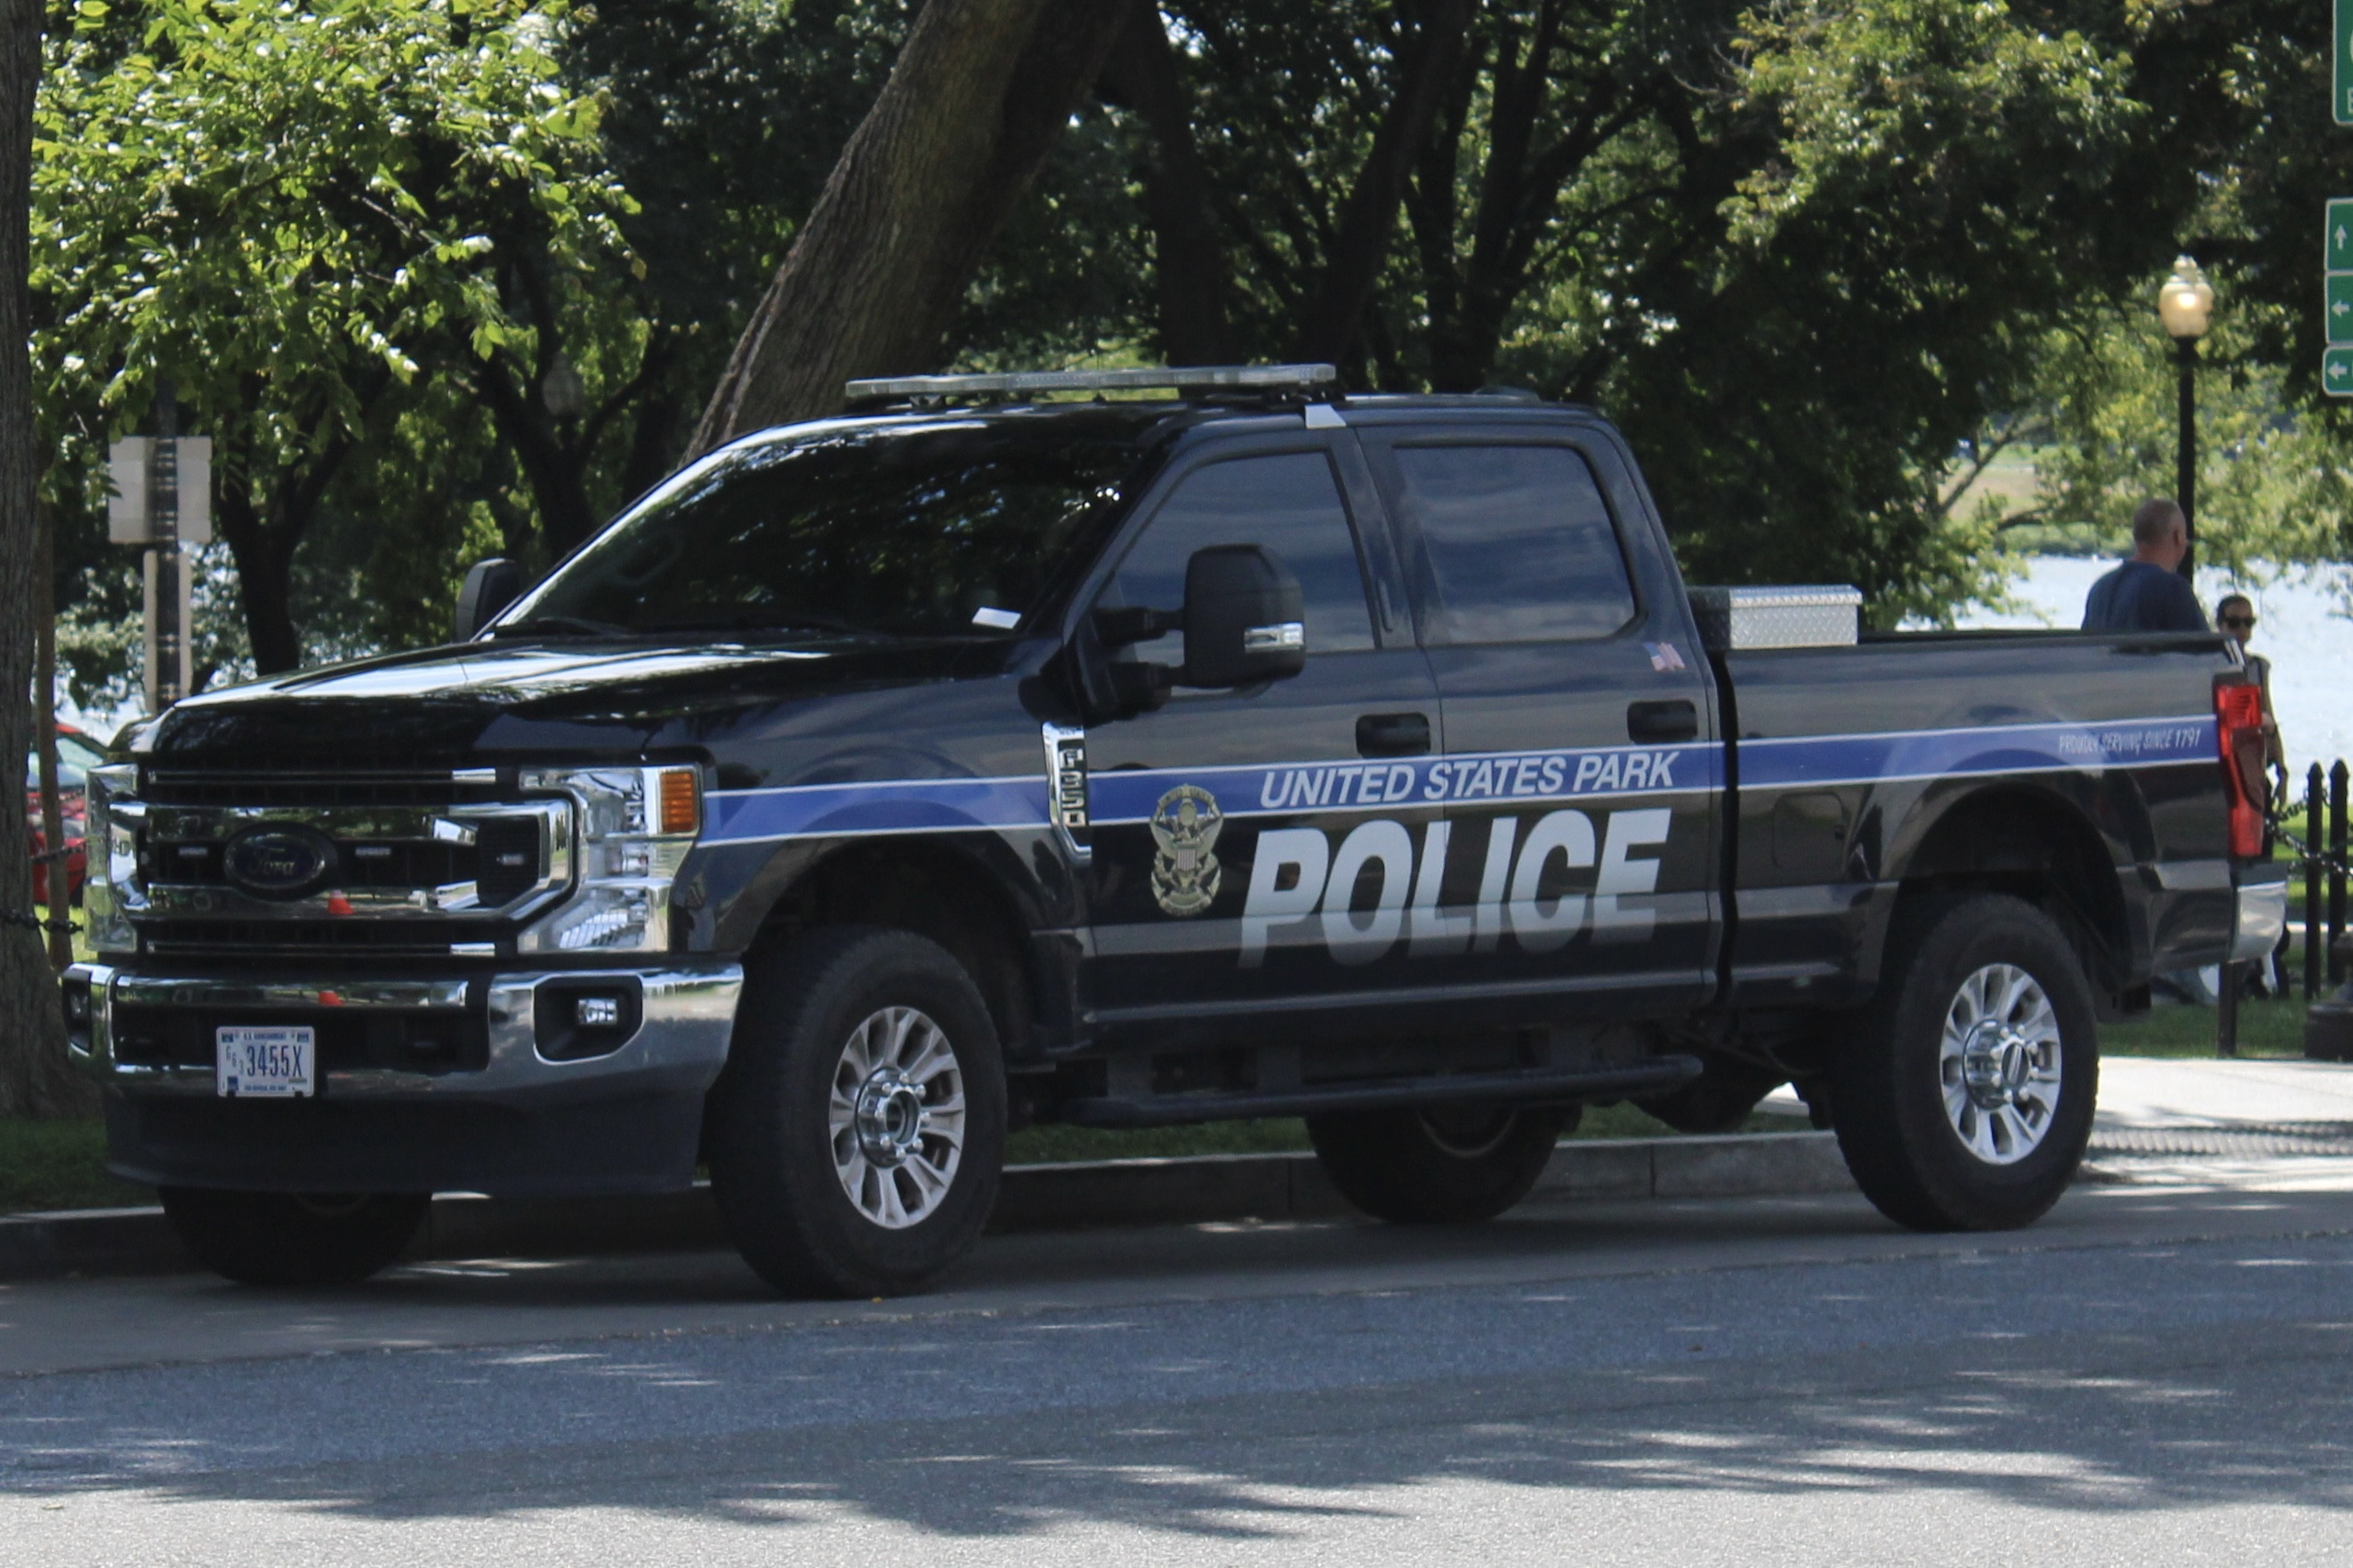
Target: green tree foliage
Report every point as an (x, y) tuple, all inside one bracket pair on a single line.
[(1801, 250), (1910, 230), (2274, 488), (317, 221), (1816, 256), (722, 119)]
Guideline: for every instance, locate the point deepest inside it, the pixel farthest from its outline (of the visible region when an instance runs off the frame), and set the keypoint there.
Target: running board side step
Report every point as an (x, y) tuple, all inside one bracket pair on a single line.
[(1656, 1075)]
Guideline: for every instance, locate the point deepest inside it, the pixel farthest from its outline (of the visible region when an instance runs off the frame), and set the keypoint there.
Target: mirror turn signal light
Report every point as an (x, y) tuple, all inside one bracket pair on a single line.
[(680, 801)]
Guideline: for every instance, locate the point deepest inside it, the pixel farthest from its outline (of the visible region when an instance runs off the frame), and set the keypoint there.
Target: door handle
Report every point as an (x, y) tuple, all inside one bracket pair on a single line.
[(1674, 720), (1392, 734)]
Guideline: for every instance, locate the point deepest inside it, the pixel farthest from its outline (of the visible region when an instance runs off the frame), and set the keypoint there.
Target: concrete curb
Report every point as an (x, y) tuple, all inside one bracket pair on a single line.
[(1188, 1190)]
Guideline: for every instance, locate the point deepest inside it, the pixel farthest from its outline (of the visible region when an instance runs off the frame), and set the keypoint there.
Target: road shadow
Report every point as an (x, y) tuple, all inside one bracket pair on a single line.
[(2224, 1380)]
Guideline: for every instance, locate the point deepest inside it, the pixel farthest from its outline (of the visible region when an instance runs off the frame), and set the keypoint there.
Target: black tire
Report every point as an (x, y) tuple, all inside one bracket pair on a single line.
[(772, 1144), (1440, 1166), (1903, 1137), (293, 1238)]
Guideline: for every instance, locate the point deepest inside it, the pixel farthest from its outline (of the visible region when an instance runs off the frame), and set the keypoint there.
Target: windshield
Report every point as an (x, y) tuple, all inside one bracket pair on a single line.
[(934, 531)]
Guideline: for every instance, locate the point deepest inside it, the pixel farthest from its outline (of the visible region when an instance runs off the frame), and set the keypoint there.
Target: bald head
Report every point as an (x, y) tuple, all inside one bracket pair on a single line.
[(2160, 536)]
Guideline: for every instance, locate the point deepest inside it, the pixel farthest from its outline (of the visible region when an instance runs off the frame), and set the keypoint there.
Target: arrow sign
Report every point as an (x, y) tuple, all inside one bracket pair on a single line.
[(2340, 88), (2337, 236), (2336, 373), (2336, 308)]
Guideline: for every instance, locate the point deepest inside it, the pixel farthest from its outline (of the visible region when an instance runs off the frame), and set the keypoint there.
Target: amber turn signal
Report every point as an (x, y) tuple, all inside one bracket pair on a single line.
[(681, 801)]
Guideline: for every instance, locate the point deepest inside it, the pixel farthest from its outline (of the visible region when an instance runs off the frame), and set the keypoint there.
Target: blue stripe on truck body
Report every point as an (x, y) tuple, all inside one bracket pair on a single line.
[(1538, 778)]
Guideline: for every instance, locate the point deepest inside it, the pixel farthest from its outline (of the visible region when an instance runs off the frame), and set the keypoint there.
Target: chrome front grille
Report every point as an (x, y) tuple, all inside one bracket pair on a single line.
[(181, 786), (328, 939), (387, 865)]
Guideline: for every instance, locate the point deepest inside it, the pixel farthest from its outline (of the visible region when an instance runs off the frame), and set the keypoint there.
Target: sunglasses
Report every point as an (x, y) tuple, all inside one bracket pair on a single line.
[(2238, 622)]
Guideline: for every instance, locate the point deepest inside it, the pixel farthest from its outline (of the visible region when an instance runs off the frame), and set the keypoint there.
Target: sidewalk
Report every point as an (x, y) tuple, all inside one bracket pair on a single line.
[(2145, 1093), (2153, 1107)]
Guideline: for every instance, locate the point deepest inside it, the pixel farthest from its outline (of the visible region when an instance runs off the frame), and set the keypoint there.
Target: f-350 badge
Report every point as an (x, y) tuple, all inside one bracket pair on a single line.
[(1184, 874)]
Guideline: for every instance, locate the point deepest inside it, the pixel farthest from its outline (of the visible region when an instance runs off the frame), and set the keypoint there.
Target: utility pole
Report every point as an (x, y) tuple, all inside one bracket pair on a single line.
[(167, 637), (163, 493)]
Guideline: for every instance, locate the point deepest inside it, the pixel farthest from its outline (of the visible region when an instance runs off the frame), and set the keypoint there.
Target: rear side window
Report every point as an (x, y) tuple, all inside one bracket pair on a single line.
[(1520, 542), (1288, 503)]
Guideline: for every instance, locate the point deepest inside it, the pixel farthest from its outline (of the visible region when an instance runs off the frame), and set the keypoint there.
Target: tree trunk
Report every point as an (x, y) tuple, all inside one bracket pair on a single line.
[(264, 571), (262, 542), (55, 878), (980, 92), (34, 1076), (551, 468), (1188, 269), (1352, 267)]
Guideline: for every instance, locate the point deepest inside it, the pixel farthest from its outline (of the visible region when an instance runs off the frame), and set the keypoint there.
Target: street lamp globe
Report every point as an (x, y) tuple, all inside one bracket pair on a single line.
[(565, 394), (2185, 301)]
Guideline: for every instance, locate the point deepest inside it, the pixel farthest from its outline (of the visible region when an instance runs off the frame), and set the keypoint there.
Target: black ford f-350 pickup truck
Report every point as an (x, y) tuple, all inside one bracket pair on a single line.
[(876, 785)]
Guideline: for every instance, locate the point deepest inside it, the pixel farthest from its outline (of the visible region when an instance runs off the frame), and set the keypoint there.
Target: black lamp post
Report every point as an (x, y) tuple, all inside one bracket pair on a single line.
[(2185, 303)]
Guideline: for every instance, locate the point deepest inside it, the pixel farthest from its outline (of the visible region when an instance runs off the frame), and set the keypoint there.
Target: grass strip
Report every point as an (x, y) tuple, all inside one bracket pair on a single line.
[(61, 1164)]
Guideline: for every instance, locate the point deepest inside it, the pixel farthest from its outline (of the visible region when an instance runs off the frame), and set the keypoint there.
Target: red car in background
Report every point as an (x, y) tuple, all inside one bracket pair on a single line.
[(77, 753)]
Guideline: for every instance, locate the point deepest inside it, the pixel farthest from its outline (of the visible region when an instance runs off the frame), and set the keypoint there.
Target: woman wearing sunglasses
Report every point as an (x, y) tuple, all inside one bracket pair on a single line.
[(2235, 618)]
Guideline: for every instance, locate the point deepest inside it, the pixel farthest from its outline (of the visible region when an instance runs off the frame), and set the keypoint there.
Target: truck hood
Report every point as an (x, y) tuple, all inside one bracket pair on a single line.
[(477, 704)]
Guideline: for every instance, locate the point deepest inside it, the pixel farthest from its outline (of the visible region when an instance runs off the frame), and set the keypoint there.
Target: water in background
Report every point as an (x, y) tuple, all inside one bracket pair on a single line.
[(2300, 625)]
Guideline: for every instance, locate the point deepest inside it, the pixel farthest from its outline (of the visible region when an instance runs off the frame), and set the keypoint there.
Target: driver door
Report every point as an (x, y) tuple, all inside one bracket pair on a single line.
[(1253, 848)]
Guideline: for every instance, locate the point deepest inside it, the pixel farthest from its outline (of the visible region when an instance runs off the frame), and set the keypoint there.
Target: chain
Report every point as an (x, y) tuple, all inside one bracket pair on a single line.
[(2306, 855), (34, 922)]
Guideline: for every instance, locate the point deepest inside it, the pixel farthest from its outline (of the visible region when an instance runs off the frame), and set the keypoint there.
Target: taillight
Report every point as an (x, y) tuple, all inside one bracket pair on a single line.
[(2239, 722)]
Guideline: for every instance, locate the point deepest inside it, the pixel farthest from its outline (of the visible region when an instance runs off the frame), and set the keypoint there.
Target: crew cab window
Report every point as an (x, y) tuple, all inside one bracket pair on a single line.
[(1520, 542), (1291, 504)]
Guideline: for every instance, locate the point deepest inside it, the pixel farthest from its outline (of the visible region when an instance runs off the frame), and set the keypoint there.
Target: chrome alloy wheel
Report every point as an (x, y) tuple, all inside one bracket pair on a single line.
[(1999, 1062), (897, 1117)]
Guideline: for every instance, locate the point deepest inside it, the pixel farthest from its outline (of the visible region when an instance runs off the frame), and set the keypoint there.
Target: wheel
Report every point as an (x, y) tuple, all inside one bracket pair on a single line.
[(855, 1136), (1442, 1165), (1965, 1102), (293, 1238)]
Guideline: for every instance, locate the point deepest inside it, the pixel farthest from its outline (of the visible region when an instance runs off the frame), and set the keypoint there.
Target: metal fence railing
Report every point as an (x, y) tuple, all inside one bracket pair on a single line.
[(2319, 857)]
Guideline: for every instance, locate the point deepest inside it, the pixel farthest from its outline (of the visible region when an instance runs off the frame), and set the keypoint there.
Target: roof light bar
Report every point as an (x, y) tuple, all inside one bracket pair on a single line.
[(1241, 378)]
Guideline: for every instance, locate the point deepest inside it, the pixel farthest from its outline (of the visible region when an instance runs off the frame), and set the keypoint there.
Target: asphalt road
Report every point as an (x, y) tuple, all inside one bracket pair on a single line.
[(2158, 1373)]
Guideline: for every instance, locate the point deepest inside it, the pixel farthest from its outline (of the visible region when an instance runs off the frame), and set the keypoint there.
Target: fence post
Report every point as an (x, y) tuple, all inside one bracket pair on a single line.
[(2313, 799), (2226, 1012), (2336, 780)]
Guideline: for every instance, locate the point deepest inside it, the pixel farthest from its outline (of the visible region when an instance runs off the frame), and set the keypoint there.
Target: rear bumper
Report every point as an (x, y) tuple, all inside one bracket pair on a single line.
[(626, 1119), (2262, 913)]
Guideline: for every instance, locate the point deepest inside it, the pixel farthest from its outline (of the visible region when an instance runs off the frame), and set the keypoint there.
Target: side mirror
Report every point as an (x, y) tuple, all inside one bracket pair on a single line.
[(1244, 618), (489, 586)]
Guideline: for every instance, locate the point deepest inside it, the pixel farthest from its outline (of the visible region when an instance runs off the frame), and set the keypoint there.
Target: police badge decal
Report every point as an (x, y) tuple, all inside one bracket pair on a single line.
[(1184, 874)]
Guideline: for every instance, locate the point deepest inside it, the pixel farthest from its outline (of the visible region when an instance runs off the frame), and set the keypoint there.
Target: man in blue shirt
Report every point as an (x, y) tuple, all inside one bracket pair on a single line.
[(2147, 593)]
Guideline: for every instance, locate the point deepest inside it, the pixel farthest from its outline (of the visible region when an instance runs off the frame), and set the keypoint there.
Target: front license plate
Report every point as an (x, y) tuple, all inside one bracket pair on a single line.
[(276, 1063)]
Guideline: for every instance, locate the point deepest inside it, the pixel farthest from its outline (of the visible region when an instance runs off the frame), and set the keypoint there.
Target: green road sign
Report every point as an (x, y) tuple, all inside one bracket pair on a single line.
[(2341, 79), (2336, 373), (2336, 308), (2338, 240)]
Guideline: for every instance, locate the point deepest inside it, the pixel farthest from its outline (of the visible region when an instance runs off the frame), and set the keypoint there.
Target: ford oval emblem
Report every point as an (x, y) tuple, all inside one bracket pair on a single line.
[(284, 862)]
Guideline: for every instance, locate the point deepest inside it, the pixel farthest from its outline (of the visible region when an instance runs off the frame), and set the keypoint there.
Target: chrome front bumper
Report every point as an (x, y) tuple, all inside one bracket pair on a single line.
[(688, 1013)]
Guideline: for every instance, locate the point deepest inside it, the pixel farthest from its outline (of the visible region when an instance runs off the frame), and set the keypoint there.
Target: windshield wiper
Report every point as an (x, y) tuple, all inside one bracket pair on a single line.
[(795, 621), (563, 625)]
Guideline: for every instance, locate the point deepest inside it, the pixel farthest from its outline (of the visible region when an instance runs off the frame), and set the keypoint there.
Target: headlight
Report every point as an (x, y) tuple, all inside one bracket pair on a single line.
[(636, 826), (111, 888)]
